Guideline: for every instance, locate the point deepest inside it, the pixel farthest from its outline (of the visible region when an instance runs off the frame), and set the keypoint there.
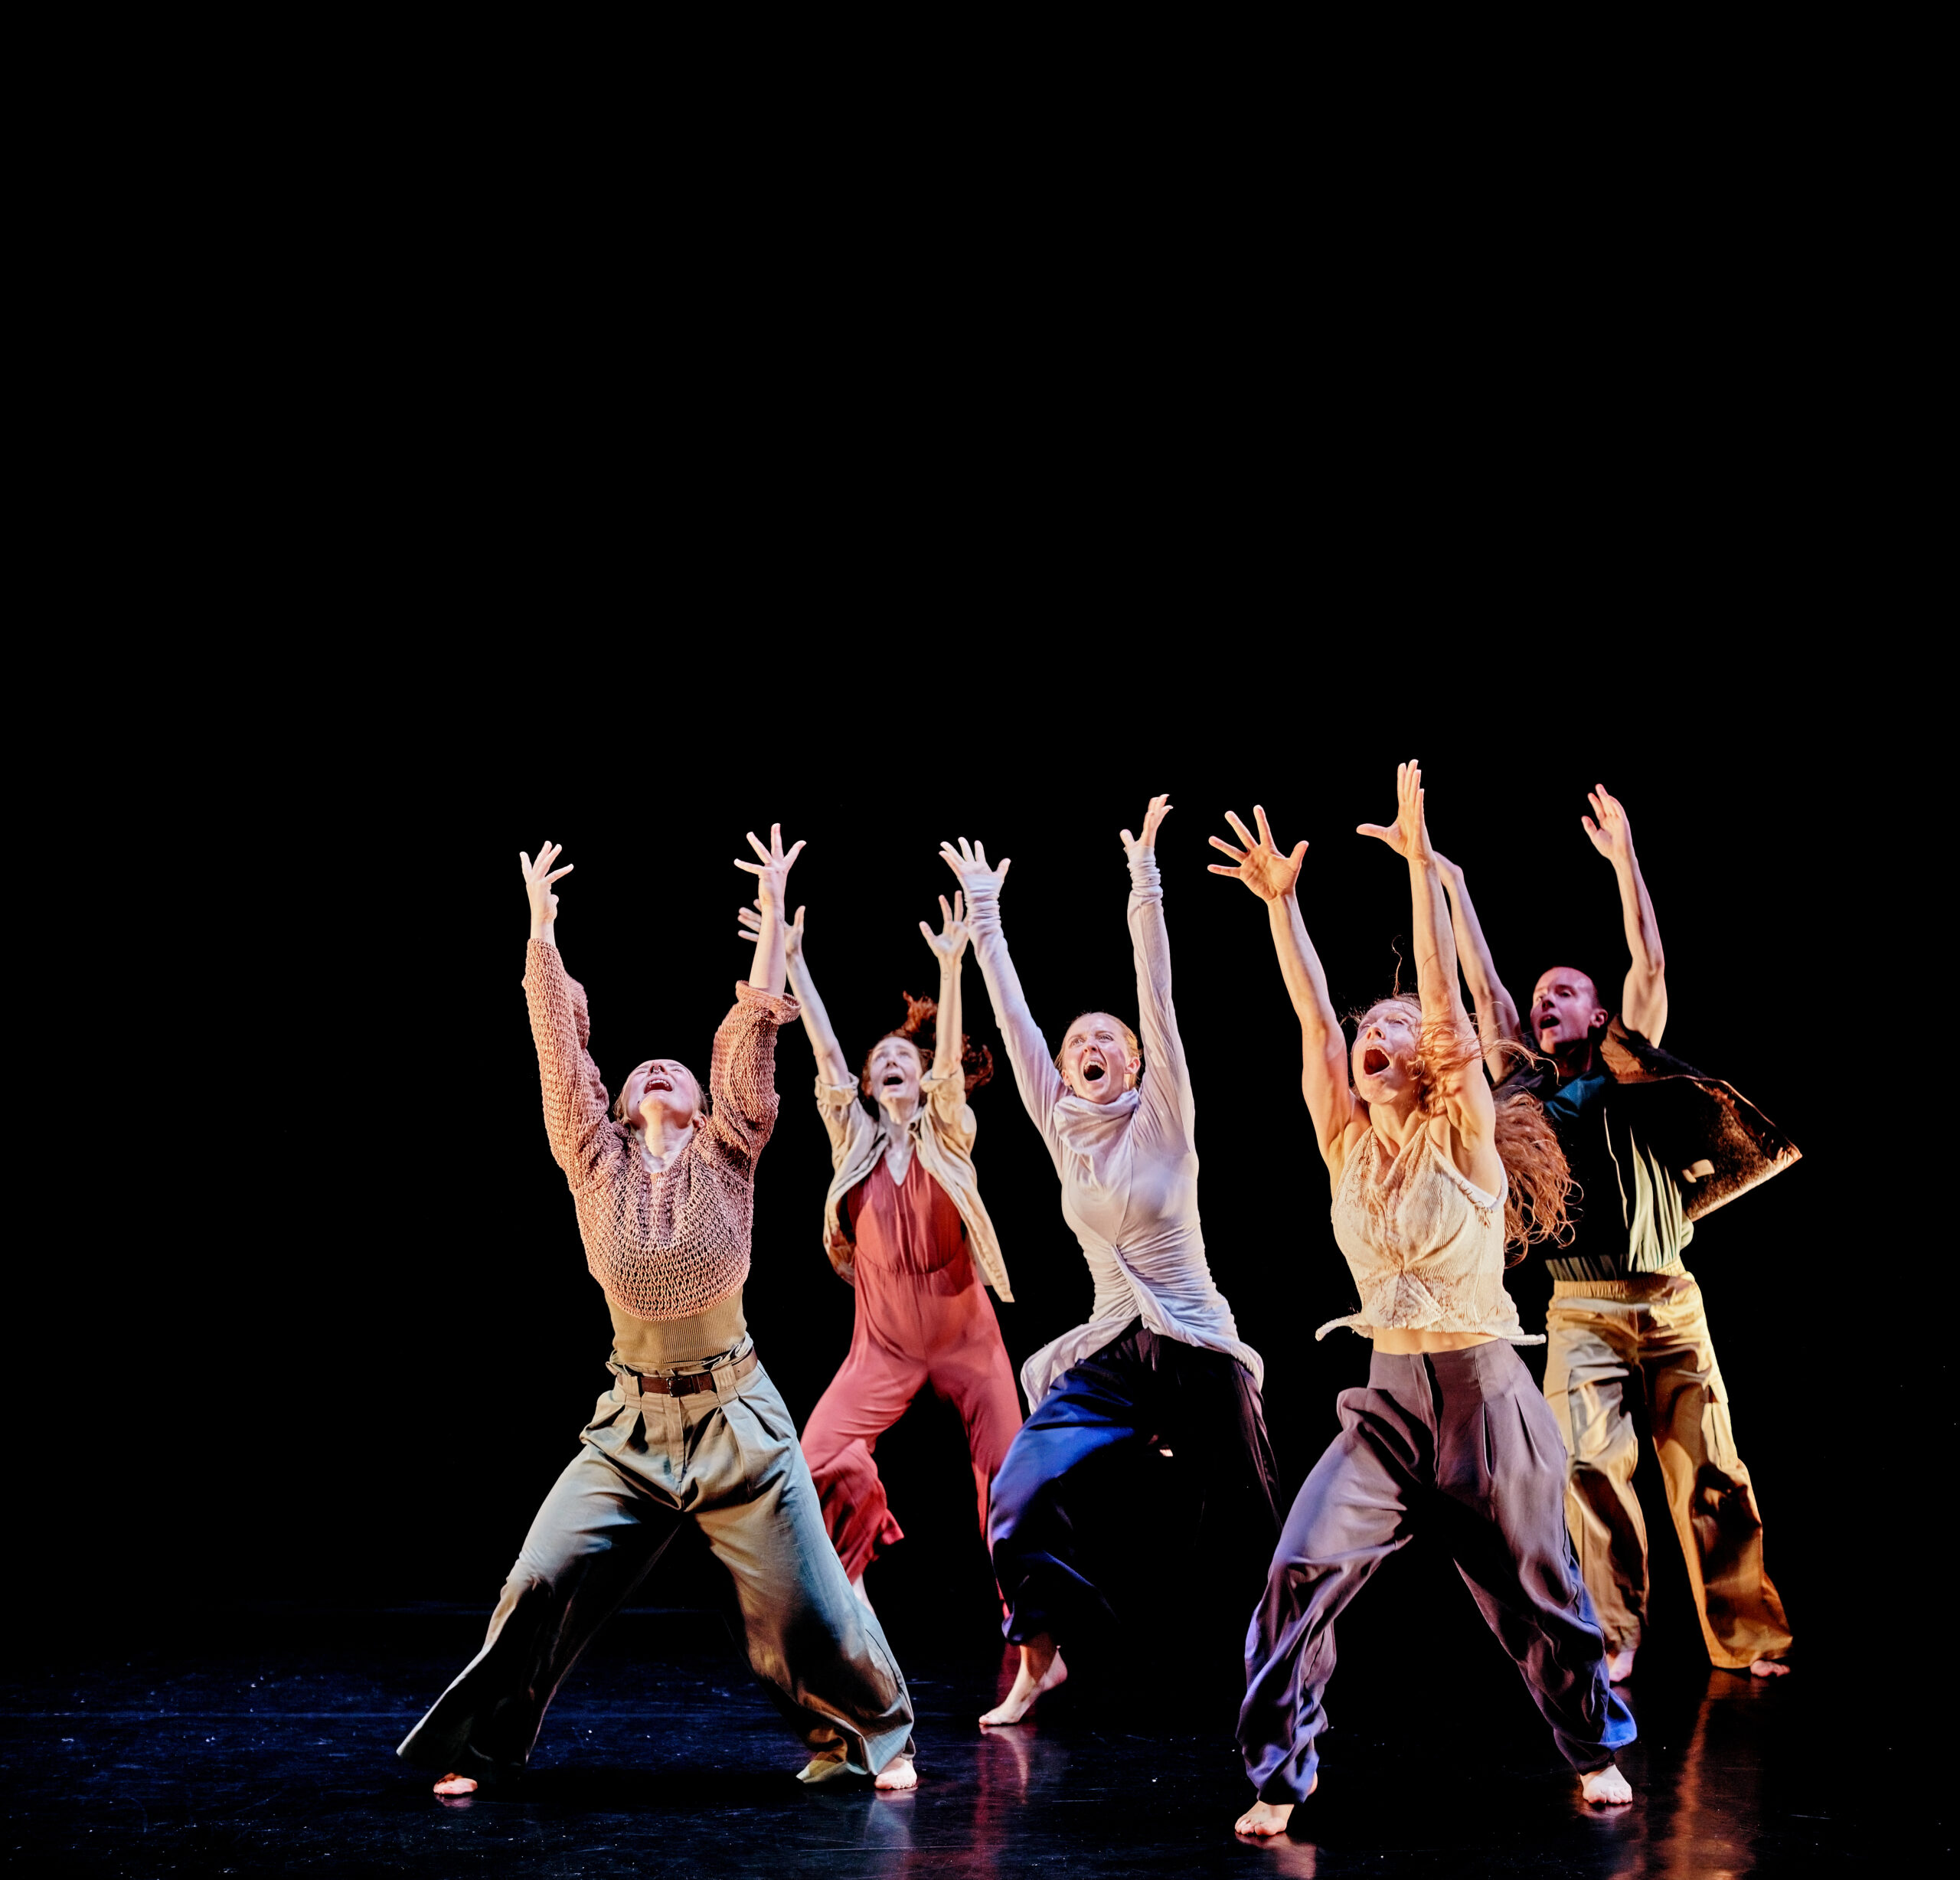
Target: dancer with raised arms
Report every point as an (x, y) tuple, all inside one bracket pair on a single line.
[(692, 1429), (1431, 1180), (1654, 1145), (1160, 1363), (904, 1225)]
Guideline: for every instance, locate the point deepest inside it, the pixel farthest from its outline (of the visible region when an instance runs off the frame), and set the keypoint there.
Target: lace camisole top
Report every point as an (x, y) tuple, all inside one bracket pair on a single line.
[(1425, 1244)]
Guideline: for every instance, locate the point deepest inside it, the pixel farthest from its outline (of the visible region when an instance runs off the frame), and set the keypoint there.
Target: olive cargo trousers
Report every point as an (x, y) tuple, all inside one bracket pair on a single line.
[(1621, 1352)]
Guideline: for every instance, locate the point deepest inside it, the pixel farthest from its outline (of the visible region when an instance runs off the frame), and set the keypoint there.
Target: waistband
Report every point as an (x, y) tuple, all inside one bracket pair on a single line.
[(710, 1374), (1636, 1287), (1480, 1368)]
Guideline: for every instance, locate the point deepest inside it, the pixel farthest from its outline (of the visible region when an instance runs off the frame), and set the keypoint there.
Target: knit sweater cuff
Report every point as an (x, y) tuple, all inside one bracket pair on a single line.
[(780, 1006)]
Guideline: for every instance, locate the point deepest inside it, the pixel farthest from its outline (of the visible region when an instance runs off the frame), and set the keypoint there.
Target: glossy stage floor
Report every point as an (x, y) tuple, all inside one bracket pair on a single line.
[(267, 1750)]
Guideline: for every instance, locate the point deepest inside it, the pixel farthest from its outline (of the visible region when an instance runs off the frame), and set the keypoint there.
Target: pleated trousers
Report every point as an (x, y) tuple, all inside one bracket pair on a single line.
[(1461, 1445)]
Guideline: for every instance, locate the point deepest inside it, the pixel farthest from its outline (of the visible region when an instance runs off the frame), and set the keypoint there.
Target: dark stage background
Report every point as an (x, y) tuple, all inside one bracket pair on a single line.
[(360, 1340)]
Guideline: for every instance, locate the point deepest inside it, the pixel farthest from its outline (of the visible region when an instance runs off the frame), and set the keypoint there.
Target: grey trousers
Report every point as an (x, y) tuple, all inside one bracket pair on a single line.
[(727, 1460), (1461, 1444)]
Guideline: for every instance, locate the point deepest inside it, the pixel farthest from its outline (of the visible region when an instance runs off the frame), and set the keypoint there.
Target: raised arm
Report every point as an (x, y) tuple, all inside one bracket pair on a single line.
[(1497, 1023), (772, 873), (1644, 998), (1464, 1093), (948, 948), (1034, 1074), (1275, 877), (577, 1116), (1167, 1084), (832, 1066)]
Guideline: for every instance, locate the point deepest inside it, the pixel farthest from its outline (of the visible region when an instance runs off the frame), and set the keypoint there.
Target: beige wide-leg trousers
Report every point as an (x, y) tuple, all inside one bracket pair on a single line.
[(1613, 1346), (727, 1460)]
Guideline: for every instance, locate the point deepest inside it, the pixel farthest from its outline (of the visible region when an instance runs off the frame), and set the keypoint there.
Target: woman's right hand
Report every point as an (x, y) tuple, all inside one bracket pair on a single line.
[(793, 931), (977, 875), (1263, 869), (538, 876), (950, 942)]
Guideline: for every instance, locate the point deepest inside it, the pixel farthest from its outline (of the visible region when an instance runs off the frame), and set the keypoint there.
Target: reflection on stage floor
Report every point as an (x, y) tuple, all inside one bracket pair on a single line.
[(270, 1751)]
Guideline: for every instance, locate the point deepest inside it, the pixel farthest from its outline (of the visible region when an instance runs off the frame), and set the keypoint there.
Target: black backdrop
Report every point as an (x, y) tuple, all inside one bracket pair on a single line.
[(360, 1338)]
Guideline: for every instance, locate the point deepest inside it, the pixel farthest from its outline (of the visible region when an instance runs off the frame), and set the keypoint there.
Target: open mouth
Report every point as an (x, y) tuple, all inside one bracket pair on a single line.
[(893, 1080), (1093, 1073), (1374, 1062)]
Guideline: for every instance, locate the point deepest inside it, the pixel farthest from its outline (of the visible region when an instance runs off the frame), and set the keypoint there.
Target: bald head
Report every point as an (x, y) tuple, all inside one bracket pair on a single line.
[(1566, 1013)]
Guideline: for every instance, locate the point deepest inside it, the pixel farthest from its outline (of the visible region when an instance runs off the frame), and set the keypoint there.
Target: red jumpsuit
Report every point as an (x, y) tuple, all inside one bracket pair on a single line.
[(923, 1317)]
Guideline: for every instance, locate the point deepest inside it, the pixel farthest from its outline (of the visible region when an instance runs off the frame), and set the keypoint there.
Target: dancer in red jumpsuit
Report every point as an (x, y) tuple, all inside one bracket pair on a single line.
[(904, 1224)]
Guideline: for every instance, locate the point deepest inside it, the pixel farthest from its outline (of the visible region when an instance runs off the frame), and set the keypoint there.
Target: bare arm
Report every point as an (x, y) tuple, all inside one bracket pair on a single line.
[(1644, 998), (832, 1066), (1466, 1096), (1497, 1023), (772, 874), (949, 945), (1274, 878)]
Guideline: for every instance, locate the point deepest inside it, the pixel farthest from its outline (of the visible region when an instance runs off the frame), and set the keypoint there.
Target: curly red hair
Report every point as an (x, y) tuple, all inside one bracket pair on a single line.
[(1538, 1177), (920, 1031)]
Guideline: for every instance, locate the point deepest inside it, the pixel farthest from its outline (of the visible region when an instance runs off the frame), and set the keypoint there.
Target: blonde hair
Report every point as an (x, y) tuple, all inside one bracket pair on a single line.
[(1537, 1176), (1130, 1042)]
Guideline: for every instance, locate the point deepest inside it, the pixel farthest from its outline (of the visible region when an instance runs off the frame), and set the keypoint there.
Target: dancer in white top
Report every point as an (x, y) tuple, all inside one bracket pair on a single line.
[(1431, 1178), (1160, 1363)]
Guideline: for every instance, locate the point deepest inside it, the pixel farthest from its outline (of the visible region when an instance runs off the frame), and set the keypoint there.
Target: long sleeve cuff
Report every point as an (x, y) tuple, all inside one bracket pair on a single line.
[(983, 909), (780, 1006), (1145, 878)]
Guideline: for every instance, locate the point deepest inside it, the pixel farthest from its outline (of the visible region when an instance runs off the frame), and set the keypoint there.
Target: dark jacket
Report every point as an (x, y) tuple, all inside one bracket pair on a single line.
[(1713, 1138)]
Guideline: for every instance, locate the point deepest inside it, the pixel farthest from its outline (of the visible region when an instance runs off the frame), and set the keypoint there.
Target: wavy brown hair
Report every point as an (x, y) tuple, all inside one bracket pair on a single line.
[(921, 1030), (1537, 1176)]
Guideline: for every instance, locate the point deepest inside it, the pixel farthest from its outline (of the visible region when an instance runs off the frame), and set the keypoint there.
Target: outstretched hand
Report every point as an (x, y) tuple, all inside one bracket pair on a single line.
[(538, 876), (977, 875), (950, 942), (772, 872), (1612, 835), (1409, 837), (1261, 866), (1391, 833), (751, 930), (1159, 808)]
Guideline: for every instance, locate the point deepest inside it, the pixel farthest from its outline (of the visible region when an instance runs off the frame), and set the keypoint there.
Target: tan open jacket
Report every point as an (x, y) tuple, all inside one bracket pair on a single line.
[(943, 1128)]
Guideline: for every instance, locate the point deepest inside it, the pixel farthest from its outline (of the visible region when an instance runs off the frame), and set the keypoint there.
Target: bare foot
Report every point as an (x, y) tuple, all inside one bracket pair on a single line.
[(1619, 1666), (1264, 1818), (1604, 1788), (1769, 1668), (898, 1774), (1041, 1669), (457, 1785)]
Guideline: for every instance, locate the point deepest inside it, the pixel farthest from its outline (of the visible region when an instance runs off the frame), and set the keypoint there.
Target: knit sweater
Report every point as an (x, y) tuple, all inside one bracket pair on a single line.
[(671, 1244)]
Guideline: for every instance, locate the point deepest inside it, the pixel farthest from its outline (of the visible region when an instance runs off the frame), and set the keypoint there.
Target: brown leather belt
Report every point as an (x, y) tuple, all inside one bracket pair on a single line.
[(656, 1385)]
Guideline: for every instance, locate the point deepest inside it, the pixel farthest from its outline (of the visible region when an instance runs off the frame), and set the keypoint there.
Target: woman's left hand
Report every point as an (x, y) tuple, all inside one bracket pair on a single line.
[(950, 942), (1159, 808), (772, 872)]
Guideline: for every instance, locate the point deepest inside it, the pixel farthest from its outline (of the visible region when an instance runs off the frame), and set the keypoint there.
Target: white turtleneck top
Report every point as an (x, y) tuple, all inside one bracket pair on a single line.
[(1129, 1167)]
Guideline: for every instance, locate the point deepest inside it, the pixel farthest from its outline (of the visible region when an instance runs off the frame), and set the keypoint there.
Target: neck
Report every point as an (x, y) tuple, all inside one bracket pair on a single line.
[(900, 1111), (1575, 1059), (663, 1142), (1395, 1120)]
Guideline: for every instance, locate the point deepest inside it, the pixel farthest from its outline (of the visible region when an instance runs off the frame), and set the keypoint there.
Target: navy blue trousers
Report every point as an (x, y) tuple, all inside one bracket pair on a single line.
[(1149, 1392), (1459, 1444)]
